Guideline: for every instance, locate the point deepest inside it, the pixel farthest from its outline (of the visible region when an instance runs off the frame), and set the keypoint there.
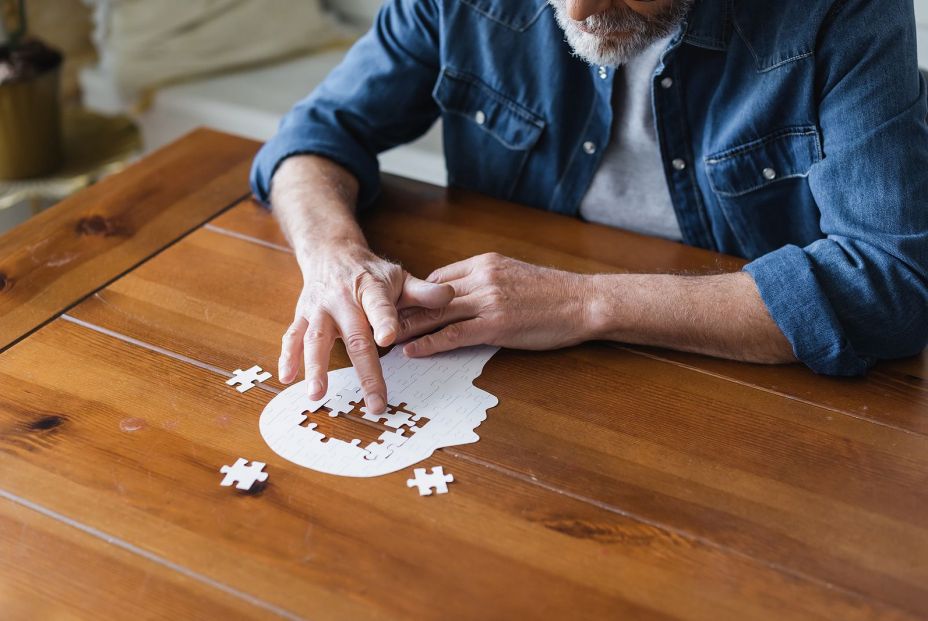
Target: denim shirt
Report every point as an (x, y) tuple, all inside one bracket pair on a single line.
[(792, 133)]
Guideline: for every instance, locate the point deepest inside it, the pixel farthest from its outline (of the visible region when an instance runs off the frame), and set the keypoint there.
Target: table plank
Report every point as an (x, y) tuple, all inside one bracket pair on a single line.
[(63, 254), (332, 547), (424, 227), (818, 494), (51, 570)]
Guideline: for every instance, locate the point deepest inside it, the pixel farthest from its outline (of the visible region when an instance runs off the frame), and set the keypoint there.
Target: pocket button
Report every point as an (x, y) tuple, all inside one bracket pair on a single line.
[(769, 174)]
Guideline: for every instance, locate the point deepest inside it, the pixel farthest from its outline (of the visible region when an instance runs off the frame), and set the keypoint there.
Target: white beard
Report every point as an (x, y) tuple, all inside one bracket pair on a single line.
[(638, 32)]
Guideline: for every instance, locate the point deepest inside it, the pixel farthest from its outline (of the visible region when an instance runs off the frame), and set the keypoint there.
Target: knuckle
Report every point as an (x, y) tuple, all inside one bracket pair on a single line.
[(364, 282), (381, 305), (357, 342), (454, 332), (370, 383), (491, 258), (314, 335)]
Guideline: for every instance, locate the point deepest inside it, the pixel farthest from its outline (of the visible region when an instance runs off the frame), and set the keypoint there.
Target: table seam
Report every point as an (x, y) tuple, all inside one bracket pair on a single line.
[(733, 380), (148, 555), (109, 282)]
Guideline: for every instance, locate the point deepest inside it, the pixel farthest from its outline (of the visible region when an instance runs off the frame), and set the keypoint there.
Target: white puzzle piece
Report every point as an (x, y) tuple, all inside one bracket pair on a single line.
[(242, 474), (343, 401), (395, 416), (247, 380), (437, 480), (437, 393)]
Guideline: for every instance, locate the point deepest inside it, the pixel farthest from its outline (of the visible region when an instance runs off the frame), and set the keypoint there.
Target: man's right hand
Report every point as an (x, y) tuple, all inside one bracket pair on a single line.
[(351, 293)]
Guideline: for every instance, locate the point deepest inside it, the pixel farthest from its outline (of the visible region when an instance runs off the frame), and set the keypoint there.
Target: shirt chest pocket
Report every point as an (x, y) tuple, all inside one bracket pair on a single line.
[(762, 189), (488, 137)]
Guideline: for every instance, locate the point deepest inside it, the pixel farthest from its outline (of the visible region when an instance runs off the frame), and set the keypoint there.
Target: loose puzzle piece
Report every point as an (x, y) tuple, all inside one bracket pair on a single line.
[(247, 380), (343, 402), (242, 474), (437, 480)]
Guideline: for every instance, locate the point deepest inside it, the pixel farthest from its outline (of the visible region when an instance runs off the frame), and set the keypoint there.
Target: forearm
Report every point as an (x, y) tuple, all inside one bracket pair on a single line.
[(314, 200), (720, 315)]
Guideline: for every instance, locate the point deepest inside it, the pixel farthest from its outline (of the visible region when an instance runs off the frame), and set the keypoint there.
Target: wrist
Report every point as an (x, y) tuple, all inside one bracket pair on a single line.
[(601, 306), (345, 249)]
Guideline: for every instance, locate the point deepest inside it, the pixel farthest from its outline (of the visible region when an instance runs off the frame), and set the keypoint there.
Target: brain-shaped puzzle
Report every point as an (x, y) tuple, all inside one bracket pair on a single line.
[(438, 389)]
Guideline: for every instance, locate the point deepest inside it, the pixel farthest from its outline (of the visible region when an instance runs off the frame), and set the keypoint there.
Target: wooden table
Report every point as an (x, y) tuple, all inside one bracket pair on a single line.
[(610, 482)]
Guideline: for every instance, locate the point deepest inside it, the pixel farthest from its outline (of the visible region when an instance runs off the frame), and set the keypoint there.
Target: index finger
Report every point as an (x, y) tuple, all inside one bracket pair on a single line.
[(359, 342), (452, 271)]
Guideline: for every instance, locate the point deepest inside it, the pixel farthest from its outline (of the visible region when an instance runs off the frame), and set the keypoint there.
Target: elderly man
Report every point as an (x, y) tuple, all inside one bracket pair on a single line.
[(790, 133)]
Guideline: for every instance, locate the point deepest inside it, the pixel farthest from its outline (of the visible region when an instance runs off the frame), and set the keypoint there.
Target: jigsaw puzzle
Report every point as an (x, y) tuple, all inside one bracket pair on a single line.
[(437, 405), (247, 380), (244, 476), (437, 480)]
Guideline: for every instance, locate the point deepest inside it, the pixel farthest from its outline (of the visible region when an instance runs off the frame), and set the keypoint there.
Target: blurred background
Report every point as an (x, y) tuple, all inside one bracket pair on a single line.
[(137, 74)]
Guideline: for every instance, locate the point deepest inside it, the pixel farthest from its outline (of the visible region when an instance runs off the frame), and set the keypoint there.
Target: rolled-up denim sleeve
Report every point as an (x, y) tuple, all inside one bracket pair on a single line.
[(861, 294), (379, 96)]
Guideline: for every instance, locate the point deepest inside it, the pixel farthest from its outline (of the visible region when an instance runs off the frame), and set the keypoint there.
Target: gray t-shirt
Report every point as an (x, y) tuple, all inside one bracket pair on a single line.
[(629, 190)]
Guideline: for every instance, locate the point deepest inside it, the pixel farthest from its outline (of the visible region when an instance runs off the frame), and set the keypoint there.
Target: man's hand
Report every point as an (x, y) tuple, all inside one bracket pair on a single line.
[(348, 291), (351, 293), (501, 301)]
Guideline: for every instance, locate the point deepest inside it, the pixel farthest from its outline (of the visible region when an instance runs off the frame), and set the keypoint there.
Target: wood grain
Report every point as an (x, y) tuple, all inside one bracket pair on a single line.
[(610, 482), (499, 547), (65, 253), (52, 570), (822, 495)]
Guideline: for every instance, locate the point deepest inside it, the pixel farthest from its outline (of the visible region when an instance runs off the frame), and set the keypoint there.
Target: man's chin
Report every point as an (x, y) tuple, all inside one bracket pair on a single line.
[(609, 50)]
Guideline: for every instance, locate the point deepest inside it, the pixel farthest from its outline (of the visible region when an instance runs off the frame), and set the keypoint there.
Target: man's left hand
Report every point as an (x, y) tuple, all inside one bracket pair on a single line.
[(501, 301)]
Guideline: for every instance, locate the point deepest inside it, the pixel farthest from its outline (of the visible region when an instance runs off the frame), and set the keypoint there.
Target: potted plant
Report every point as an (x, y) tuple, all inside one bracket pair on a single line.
[(30, 117)]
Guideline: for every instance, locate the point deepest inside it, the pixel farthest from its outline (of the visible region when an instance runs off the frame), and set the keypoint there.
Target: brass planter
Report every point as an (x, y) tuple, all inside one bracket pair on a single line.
[(30, 126)]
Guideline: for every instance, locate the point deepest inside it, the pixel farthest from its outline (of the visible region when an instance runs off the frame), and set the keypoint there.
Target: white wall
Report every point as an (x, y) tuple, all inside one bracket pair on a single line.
[(921, 16)]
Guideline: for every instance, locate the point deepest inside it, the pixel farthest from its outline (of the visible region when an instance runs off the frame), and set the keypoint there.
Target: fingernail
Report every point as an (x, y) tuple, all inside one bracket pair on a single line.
[(375, 403), (410, 349), (315, 388), (387, 337)]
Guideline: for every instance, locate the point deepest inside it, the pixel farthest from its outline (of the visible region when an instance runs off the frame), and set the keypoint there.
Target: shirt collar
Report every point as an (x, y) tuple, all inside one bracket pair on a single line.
[(709, 24)]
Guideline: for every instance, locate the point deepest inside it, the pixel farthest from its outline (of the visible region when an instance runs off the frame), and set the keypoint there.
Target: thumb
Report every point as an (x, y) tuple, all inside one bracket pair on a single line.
[(418, 292)]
